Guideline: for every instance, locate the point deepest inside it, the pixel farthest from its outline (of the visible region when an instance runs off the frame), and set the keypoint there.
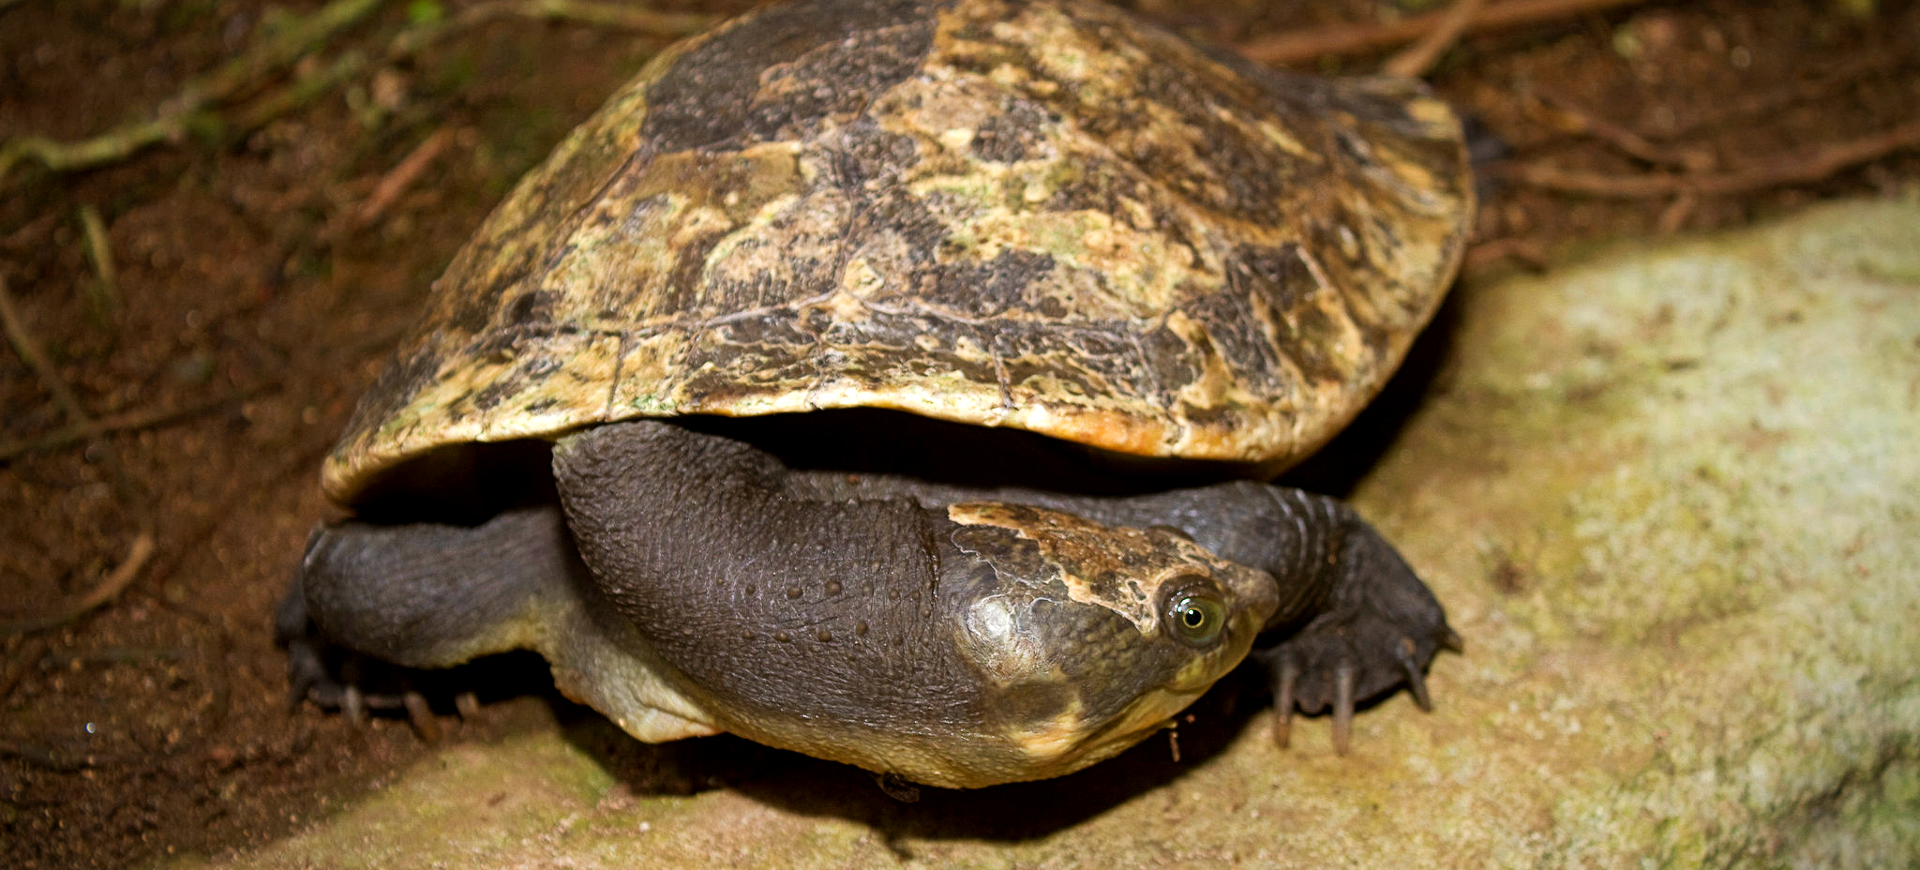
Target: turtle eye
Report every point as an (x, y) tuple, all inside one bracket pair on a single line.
[(1196, 615)]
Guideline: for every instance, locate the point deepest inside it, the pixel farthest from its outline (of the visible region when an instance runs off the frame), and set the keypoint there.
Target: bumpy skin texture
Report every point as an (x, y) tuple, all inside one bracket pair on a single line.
[(1042, 214), (944, 635)]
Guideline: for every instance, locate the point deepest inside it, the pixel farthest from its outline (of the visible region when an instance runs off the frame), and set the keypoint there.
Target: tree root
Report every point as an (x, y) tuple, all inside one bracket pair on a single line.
[(1417, 59), (36, 359), (1298, 47), (116, 580), (130, 421), (1802, 168)]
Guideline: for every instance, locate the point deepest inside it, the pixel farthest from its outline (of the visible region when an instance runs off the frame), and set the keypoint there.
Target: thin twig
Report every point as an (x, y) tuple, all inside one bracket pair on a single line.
[(1526, 251), (1567, 118), (401, 177), (1803, 168), (1350, 39), (1416, 60), (609, 15), (36, 359), (100, 254), (144, 418), (116, 580)]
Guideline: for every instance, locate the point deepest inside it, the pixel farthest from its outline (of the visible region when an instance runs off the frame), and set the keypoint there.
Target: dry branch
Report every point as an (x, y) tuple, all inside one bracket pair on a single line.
[(116, 580), (401, 177), (1415, 61), (1803, 168), (131, 421), (36, 359), (1306, 45)]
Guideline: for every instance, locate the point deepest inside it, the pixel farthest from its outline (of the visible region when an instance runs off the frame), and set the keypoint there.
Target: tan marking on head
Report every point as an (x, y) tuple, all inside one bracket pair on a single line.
[(1115, 567)]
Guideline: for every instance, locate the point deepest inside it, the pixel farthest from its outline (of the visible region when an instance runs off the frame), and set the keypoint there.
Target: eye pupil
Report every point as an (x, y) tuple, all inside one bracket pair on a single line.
[(1197, 618)]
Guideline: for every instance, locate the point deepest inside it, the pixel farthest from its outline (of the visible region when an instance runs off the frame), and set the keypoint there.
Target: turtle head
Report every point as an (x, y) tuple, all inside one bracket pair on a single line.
[(1086, 638)]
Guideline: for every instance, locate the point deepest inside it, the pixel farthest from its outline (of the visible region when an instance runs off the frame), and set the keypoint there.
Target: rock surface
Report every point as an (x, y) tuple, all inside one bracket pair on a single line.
[(1671, 499)]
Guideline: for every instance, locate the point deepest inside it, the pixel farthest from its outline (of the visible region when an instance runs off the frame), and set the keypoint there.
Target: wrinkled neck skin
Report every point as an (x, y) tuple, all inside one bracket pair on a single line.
[(955, 643)]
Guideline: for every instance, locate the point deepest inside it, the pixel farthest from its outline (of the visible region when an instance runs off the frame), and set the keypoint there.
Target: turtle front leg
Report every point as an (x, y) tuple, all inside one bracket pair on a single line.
[(419, 595)]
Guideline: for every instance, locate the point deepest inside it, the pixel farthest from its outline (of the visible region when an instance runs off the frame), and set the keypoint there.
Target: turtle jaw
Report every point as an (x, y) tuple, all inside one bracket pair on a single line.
[(1082, 685), (1154, 709)]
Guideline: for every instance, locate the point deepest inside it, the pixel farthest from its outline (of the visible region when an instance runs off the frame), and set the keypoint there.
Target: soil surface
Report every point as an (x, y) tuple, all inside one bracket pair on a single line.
[(215, 303)]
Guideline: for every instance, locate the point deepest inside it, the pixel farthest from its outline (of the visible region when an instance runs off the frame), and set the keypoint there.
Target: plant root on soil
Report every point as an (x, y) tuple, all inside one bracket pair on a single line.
[(111, 585), (185, 112), (1420, 57), (30, 353), (400, 177), (105, 293), (130, 421), (1560, 115), (1351, 39), (1798, 168)]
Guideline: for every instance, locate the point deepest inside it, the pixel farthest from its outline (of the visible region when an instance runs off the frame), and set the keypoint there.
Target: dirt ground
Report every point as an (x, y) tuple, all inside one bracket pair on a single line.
[(215, 303)]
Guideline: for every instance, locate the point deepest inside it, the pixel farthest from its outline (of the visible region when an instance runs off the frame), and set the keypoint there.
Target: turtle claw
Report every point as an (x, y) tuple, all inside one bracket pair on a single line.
[(1343, 677), (1328, 668), (1410, 668), (467, 704), (353, 703), (1286, 674), (1451, 640), (1417, 684), (420, 716)]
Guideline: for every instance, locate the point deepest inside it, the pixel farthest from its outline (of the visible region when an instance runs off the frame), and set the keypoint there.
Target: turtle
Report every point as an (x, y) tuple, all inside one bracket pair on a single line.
[(1097, 284)]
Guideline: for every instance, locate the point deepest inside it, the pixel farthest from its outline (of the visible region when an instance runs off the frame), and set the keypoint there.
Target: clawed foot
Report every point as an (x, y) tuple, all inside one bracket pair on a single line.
[(1380, 629), (1339, 665), (333, 678)]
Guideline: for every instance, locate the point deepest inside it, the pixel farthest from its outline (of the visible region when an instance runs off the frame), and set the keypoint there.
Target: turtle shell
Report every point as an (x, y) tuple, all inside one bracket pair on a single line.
[(1048, 215)]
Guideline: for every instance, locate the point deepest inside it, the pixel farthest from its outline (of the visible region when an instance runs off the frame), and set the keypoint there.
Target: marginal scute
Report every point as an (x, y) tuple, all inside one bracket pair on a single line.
[(1029, 213)]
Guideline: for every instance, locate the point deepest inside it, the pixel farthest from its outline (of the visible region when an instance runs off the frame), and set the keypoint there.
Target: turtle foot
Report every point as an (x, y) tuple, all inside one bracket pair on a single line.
[(1381, 630), (335, 678)]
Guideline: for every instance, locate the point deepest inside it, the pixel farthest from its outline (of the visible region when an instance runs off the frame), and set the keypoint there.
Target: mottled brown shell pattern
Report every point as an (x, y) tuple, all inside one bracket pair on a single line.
[(1044, 214)]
